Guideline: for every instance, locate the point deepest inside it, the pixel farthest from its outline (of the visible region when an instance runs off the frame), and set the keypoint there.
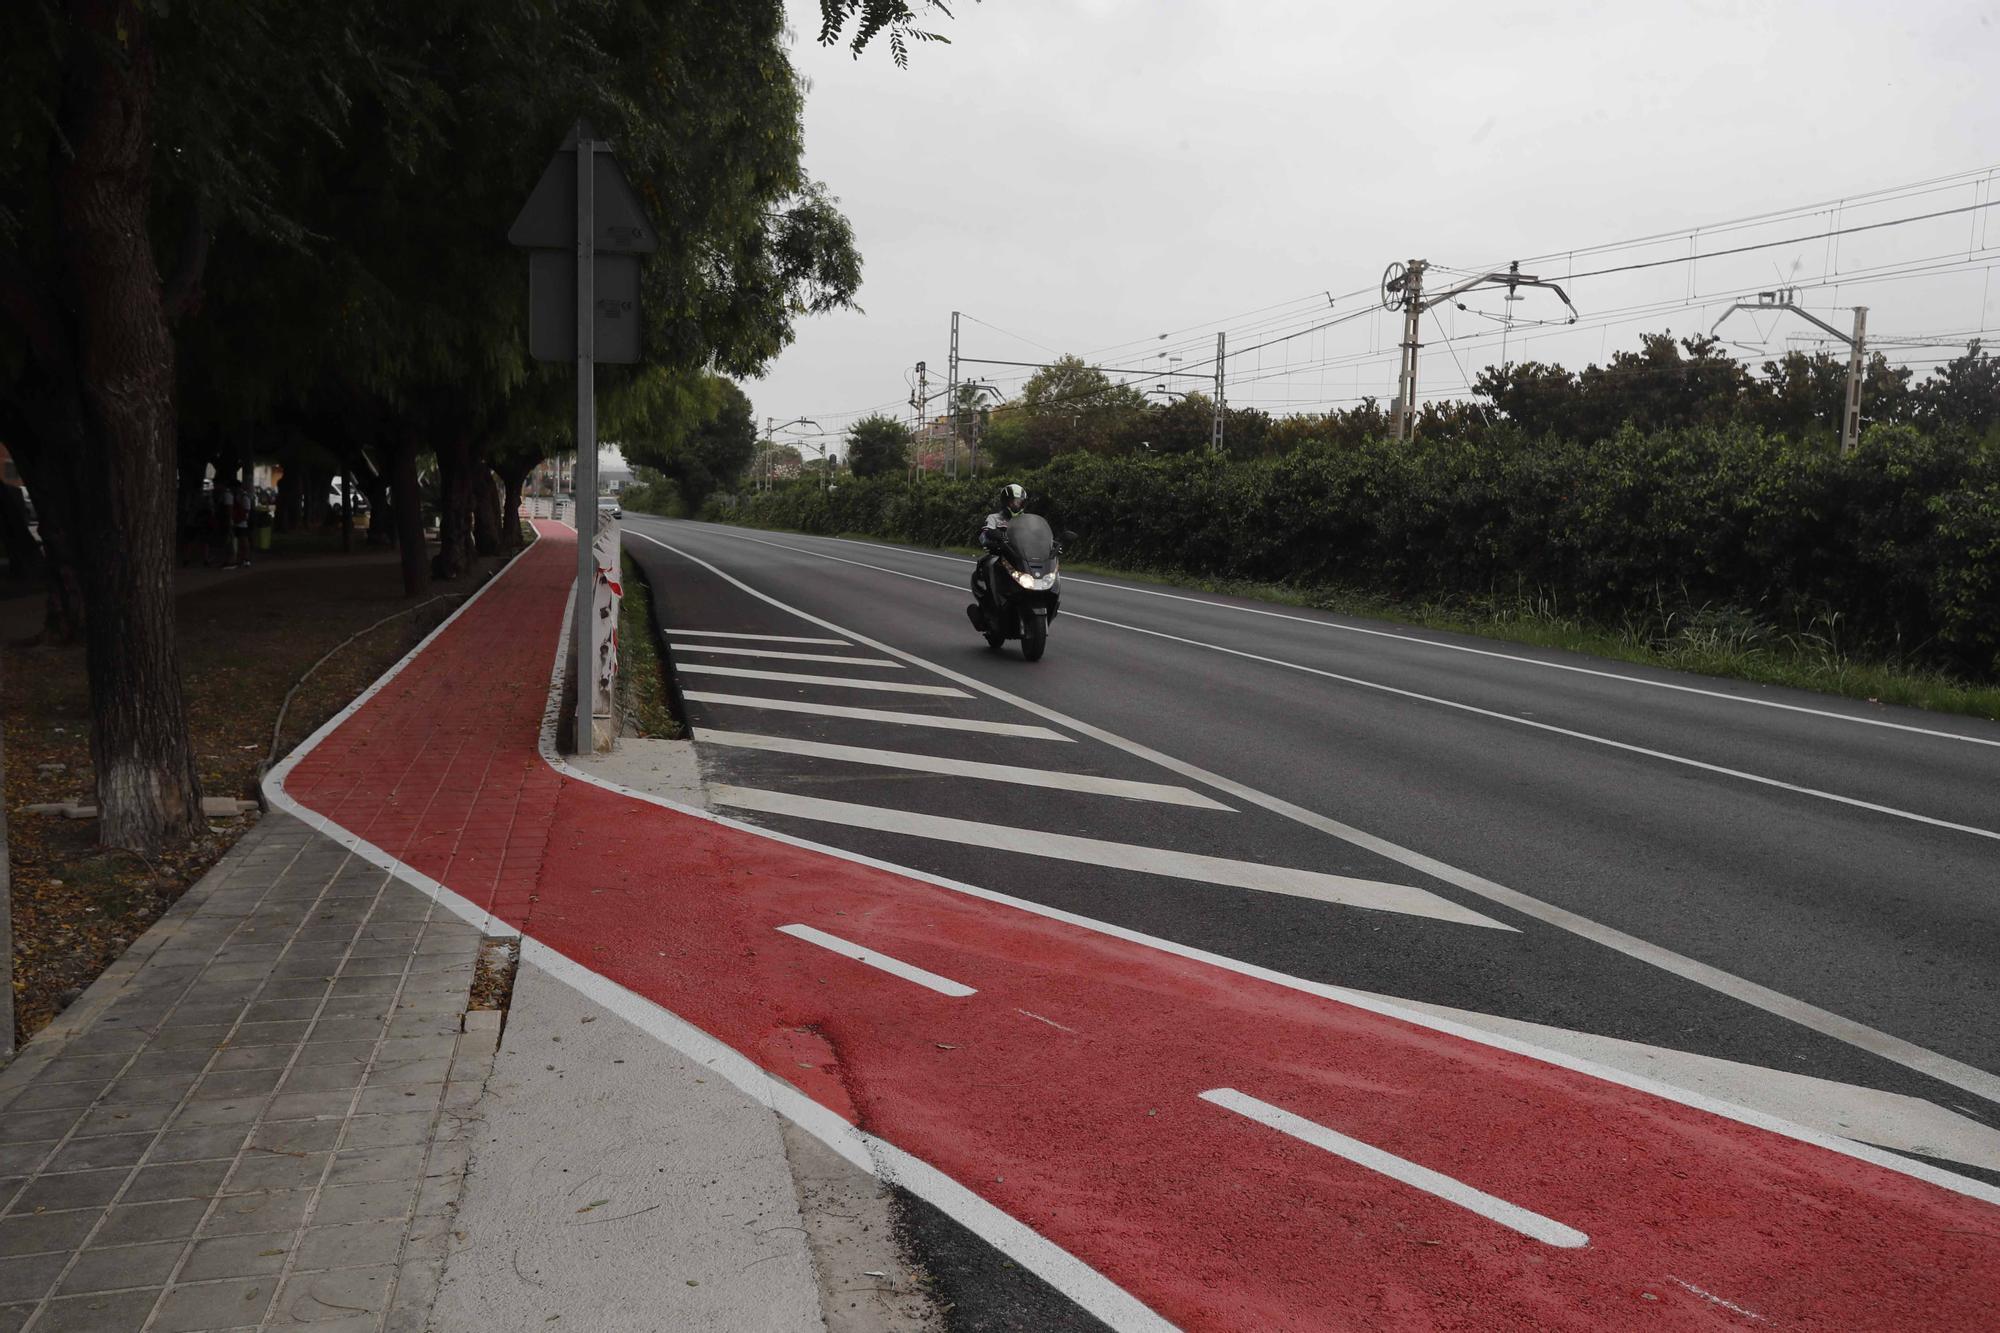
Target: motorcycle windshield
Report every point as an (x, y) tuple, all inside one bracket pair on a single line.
[(1032, 541)]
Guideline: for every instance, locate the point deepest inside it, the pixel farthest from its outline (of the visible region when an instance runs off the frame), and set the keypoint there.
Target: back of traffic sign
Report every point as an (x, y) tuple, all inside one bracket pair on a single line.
[(548, 220)]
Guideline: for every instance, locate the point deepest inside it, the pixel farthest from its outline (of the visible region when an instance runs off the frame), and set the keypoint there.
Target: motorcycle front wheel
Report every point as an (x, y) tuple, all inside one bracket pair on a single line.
[(1034, 636)]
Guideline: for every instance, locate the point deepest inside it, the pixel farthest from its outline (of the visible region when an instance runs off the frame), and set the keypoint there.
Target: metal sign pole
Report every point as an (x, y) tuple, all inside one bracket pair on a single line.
[(584, 670)]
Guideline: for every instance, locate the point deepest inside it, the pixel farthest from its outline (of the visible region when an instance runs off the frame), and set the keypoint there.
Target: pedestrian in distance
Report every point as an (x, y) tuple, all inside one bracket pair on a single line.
[(239, 522)]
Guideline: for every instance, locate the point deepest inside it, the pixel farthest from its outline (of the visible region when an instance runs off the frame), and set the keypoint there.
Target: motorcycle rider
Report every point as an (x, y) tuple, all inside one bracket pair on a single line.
[(1013, 500)]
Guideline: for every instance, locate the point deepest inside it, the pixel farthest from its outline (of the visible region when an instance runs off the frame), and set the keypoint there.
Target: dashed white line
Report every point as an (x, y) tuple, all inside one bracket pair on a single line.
[(966, 768), (1339, 889), (1050, 1021), (789, 657), (676, 632), (1451, 1190), (843, 682), (893, 966), (942, 723)]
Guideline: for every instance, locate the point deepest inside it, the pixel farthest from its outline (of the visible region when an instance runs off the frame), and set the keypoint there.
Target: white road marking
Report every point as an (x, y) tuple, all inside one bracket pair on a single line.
[(885, 686), (893, 966), (965, 768), (1853, 801), (789, 657), (1407, 637), (1451, 1190), (876, 715), (1050, 1021), (678, 633), (1887, 1045), (1711, 1296), (1888, 1119), (1337, 889)]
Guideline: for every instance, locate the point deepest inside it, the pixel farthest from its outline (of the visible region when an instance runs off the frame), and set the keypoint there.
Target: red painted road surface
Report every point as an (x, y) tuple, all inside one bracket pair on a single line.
[(1095, 1135)]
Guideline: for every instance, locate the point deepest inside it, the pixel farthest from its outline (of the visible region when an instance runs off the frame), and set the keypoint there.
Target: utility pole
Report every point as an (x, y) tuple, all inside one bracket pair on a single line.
[(770, 426), (1221, 407), (1403, 289), (1786, 298), (951, 394), (921, 402)]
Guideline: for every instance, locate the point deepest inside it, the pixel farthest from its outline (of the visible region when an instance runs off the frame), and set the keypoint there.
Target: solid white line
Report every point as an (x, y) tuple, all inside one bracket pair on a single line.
[(1512, 1216), (1337, 889), (881, 686), (877, 715), (676, 632), (1405, 637), (1899, 1050), (789, 657), (1589, 737), (964, 768), (893, 966)]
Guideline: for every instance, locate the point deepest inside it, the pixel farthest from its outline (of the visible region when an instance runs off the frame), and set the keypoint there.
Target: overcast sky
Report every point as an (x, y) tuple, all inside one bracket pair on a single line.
[(1084, 173)]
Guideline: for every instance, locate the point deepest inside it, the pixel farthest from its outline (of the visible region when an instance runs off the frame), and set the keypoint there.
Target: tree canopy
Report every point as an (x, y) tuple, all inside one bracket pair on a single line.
[(877, 444)]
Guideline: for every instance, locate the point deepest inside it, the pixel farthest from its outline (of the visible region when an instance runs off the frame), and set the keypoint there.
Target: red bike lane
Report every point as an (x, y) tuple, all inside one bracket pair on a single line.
[(1067, 1088)]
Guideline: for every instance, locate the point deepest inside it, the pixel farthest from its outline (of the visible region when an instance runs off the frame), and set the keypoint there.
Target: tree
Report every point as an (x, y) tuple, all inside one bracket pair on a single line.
[(1964, 393), (711, 453), (1069, 405), (877, 445)]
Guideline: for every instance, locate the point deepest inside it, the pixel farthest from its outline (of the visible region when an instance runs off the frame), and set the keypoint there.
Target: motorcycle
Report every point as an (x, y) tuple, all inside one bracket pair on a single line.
[(1018, 587)]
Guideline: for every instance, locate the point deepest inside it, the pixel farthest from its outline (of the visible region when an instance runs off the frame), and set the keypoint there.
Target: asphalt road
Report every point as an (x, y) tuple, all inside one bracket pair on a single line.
[(1785, 880)]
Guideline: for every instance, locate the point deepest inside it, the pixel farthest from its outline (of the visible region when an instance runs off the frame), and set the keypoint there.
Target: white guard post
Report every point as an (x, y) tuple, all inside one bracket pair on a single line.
[(608, 594)]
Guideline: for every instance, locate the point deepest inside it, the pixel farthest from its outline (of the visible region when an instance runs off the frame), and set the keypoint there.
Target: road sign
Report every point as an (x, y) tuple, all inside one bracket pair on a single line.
[(585, 229), (552, 307)]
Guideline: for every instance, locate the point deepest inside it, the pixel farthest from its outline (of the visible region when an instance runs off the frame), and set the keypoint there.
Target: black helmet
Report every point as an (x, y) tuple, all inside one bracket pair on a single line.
[(1013, 497)]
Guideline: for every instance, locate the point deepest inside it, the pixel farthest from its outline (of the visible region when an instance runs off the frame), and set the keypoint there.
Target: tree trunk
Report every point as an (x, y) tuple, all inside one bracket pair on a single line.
[(409, 519), (148, 789), (510, 508), (291, 498), (454, 555), (485, 508), (23, 554)]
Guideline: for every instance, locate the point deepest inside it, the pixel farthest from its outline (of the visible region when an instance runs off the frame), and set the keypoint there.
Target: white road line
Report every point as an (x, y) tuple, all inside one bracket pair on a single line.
[(1780, 784), (1899, 1050), (1512, 1216), (964, 768), (1404, 637), (789, 657), (939, 722), (886, 686), (676, 632), (893, 966), (1337, 889)]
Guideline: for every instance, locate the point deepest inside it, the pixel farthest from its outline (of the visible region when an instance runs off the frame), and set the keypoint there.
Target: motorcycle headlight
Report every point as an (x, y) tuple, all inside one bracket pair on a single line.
[(1023, 578), (1033, 582)]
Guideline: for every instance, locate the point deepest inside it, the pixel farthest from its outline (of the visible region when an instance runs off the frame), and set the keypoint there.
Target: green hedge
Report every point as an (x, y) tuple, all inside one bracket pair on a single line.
[(1896, 548)]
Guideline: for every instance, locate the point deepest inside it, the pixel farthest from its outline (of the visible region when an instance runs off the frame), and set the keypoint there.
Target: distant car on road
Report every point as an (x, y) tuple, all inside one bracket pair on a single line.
[(610, 507)]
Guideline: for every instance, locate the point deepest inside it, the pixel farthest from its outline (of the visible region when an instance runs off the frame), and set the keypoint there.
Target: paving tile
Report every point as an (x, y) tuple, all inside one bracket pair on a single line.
[(181, 1060), (104, 1039), (372, 1202), (346, 1029), (321, 1299), (297, 1136), (200, 1036), (74, 1189), (124, 1266), (52, 1096), (354, 1245), (293, 988), (336, 1052), (33, 1233), (83, 1069), (254, 1057), (107, 1312), (371, 1164), (262, 1172), (367, 985), (231, 1303), (397, 1099), (240, 1214), (324, 1078), (123, 1120), (238, 1083), (178, 1180), (309, 1105), (29, 1277), (251, 1255), (19, 1159), (134, 1090), (110, 1150), (200, 1144), (268, 1011), (137, 1223), (389, 1131), (386, 965), (27, 1125), (269, 1034), (207, 1114), (210, 1011)]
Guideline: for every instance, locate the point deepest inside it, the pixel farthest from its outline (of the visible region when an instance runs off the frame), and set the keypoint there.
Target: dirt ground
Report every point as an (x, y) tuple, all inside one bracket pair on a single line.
[(246, 637)]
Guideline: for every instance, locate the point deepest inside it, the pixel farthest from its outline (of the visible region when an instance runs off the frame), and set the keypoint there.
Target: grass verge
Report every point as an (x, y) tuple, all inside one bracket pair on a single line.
[(1708, 641), (642, 666)]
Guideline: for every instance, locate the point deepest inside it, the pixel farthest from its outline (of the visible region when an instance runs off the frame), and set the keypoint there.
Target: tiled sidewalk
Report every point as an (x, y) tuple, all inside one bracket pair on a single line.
[(253, 1120)]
